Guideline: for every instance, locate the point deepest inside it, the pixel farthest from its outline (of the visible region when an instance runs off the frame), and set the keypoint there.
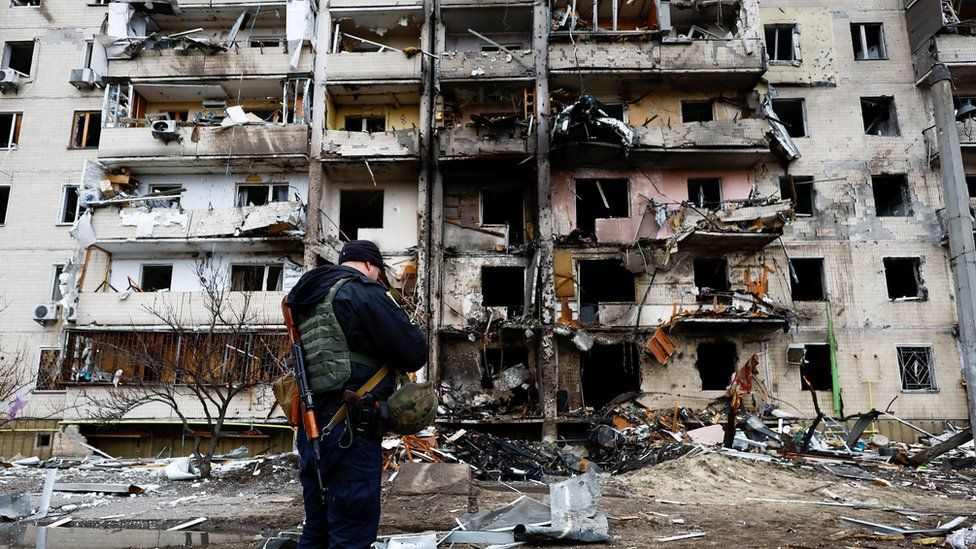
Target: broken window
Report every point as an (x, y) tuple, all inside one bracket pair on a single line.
[(24, 3), (697, 111), (891, 195), (497, 359), (800, 192), (781, 44), (711, 278), (255, 278), (42, 441), (971, 185), (69, 204), (359, 210), (917, 373), (509, 47), (503, 287), (716, 364), (868, 40), (259, 195), (614, 110), (266, 41), (879, 117), (705, 192), (608, 371), (86, 130), (365, 124), (56, 270), (4, 201), (790, 113), (172, 199), (18, 56), (605, 281), (10, 129), (156, 278), (807, 279), (904, 278), (48, 368), (504, 207), (816, 367), (600, 199)]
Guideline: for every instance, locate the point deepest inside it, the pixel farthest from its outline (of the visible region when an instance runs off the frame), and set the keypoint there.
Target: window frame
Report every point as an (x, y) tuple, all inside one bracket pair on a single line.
[(142, 276), (40, 358), (777, 28), (892, 113), (13, 142), (824, 293), (798, 181), (6, 207), (13, 4), (6, 53), (704, 206), (86, 138), (53, 277), (62, 210), (863, 40), (265, 270), (934, 382), (803, 115), (268, 199)]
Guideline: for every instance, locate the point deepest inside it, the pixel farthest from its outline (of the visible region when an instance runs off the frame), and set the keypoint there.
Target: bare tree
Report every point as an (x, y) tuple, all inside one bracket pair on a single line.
[(196, 367)]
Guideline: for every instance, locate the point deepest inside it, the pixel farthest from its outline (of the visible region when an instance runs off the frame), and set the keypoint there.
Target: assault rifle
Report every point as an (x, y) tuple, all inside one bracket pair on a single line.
[(309, 422)]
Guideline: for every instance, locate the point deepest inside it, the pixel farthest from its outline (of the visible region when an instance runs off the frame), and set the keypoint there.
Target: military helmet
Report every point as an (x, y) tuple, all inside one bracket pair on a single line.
[(412, 407)]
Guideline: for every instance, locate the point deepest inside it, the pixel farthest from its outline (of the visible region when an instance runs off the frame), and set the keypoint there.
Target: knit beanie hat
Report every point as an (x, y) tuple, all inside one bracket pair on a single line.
[(361, 250)]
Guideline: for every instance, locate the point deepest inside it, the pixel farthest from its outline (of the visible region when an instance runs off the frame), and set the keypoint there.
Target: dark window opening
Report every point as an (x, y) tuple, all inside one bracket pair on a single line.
[(608, 371), (9, 129), (915, 364), (711, 278), (971, 185), (359, 210), (509, 47), (605, 281), (19, 56), (86, 130), (779, 42), (816, 368), (56, 294), (891, 195), (4, 201), (69, 204), (790, 113), (42, 440), (613, 110), (365, 124), (809, 282), (266, 42), (503, 287), (879, 116), (801, 193), (697, 111), (904, 278), (504, 207), (170, 200), (868, 40), (600, 199), (498, 359), (156, 277), (255, 278), (24, 3), (259, 195), (716, 364), (705, 192)]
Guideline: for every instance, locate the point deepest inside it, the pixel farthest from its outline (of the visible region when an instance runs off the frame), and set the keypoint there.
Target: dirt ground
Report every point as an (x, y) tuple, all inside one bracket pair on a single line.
[(727, 498)]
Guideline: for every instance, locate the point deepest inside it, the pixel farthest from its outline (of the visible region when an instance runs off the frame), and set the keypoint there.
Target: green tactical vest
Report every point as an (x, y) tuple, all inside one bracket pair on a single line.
[(327, 355)]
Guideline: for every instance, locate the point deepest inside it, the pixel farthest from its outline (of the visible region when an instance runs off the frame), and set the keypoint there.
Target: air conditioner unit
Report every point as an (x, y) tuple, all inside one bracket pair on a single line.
[(84, 79), (165, 130), (71, 314), (9, 80), (46, 312), (795, 354), (214, 104)]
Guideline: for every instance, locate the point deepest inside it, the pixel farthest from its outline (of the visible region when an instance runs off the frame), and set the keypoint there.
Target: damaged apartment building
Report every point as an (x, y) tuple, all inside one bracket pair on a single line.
[(581, 201)]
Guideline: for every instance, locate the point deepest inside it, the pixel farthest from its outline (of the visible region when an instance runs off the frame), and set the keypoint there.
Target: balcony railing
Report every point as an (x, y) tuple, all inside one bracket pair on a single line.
[(466, 65), (184, 308), (466, 141), (357, 145), (234, 62), (372, 66), (697, 56)]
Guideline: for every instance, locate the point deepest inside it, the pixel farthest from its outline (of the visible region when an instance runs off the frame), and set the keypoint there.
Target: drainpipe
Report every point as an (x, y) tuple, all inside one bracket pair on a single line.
[(959, 223), (834, 374)]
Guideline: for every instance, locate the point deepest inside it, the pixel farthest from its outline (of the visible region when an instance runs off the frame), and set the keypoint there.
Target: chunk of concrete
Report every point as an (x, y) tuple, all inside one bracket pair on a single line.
[(433, 478)]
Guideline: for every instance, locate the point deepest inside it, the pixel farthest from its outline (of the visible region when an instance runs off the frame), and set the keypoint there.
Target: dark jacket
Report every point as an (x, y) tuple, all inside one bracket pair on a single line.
[(372, 322)]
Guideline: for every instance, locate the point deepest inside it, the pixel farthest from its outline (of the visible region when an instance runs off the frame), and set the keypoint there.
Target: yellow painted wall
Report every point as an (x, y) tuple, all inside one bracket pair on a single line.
[(817, 46), (195, 107), (666, 104), (405, 117)]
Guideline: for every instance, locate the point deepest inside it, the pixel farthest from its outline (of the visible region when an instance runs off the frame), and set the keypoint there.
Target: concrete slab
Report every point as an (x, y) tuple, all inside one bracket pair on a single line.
[(417, 479)]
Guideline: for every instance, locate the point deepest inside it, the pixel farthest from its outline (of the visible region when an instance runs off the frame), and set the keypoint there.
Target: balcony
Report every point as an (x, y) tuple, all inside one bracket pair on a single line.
[(190, 308), (471, 66), (468, 141), (278, 146), (254, 62), (967, 141), (732, 63), (376, 66), (360, 4), (340, 144), (253, 228)]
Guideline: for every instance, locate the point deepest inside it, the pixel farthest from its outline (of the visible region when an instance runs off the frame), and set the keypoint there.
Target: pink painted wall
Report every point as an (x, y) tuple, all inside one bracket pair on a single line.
[(669, 187)]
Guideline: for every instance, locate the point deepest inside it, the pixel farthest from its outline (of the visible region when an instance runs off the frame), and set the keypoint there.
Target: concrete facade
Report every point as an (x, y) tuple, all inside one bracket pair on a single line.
[(541, 245)]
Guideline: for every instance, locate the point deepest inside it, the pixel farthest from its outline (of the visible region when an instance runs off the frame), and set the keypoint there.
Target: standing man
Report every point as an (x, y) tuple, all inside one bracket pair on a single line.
[(331, 304)]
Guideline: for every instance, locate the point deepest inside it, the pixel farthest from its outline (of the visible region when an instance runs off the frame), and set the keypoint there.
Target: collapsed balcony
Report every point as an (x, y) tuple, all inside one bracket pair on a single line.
[(375, 46), (205, 41), (967, 139), (195, 126), (487, 44), (106, 357), (483, 120), (487, 292), (482, 215), (372, 122)]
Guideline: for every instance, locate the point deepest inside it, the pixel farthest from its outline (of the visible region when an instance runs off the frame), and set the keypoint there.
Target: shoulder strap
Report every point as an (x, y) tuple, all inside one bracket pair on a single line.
[(367, 387)]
